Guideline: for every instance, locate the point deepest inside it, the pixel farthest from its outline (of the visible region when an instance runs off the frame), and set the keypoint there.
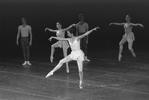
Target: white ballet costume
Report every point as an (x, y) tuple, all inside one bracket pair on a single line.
[(129, 35), (76, 53)]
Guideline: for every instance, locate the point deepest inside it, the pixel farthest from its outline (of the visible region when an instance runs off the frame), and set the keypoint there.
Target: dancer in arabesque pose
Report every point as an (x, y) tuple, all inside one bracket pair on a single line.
[(76, 53)]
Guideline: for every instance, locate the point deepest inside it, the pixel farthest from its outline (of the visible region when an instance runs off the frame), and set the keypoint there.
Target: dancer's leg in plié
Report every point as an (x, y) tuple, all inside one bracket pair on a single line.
[(59, 65), (124, 39), (80, 69), (55, 45), (130, 44), (65, 55)]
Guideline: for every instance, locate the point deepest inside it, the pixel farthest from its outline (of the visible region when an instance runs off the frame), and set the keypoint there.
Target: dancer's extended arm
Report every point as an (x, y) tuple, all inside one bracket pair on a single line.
[(65, 29), (137, 24), (51, 30), (58, 38), (87, 33), (120, 24)]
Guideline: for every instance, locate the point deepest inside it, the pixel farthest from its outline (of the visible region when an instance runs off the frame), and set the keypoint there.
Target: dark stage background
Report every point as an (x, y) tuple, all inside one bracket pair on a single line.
[(45, 13)]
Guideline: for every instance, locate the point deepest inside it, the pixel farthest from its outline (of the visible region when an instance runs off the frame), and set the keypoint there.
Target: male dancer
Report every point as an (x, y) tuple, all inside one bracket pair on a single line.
[(25, 31)]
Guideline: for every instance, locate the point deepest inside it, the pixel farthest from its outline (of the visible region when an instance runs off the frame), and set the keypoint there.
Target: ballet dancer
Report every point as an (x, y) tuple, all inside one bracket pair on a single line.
[(128, 36), (26, 40), (76, 53), (81, 28), (60, 44)]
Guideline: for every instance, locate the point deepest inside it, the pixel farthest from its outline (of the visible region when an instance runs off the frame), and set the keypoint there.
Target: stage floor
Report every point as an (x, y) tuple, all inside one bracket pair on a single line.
[(105, 78)]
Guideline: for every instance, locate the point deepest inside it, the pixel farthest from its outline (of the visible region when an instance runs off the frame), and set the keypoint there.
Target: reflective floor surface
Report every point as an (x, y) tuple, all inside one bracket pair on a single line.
[(105, 78)]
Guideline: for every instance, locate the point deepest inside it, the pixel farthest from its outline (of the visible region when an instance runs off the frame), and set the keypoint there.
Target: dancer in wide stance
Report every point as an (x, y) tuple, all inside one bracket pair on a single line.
[(128, 36), (26, 40), (60, 44), (76, 54)]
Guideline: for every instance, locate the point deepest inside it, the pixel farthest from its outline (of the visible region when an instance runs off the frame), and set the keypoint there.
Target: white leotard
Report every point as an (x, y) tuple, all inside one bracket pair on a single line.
[(62, 44), (76, 53), (129, 35)]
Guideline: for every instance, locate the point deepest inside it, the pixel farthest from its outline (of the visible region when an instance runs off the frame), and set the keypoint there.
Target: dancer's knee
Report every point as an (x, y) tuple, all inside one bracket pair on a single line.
[(120, 43), (80, 72), (120, 46), (130, 48), (61, 62), (52, 46)]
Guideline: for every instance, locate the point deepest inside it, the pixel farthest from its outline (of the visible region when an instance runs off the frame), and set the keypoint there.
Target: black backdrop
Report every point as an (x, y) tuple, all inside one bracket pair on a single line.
[(45, 13)]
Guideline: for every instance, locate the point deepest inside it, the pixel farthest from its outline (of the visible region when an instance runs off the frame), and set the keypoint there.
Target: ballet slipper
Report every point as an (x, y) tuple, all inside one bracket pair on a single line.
[(24, 63), (81, 85), (67, 69), (134, 55), (49, 74)]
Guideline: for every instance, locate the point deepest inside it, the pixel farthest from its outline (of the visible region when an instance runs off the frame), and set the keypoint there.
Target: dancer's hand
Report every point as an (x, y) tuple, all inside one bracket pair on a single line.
[(96, 28), (50, 38), (110, 23), (30, 43), (74, 25), (141, 25), (45, 29)]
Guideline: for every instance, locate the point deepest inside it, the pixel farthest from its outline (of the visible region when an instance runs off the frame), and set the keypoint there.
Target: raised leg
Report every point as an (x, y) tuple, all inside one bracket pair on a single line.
[(59, 65)]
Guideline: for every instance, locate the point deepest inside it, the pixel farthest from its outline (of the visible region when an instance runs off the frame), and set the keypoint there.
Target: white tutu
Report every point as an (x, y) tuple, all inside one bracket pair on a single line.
[(63, 44), (129, 36), (77, 55)]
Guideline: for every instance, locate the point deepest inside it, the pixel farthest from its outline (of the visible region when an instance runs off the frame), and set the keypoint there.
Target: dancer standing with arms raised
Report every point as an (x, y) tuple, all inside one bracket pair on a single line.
[(26, 40), (81, 28), (60, 44), (128, 36), (76, 53)]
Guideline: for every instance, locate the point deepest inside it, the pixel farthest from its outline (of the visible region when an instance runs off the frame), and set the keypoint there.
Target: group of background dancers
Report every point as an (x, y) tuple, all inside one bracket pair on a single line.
[(74, 42)]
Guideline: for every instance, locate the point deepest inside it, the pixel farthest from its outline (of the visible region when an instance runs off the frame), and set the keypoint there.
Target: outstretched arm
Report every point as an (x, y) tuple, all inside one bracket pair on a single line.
[(87, 33), (138, 24), (51, 30), (65, 29), (120, 24), (58, 38)]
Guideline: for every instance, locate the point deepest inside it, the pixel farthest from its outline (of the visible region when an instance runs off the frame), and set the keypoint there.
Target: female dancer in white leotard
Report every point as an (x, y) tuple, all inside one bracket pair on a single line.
[(60, 44), (128, 36), (76, 54)]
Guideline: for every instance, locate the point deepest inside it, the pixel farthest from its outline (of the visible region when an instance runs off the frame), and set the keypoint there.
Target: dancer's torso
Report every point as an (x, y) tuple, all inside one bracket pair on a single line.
[(82, 28), (75, 45), (128, 28), (60, 33), (24, 30)]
